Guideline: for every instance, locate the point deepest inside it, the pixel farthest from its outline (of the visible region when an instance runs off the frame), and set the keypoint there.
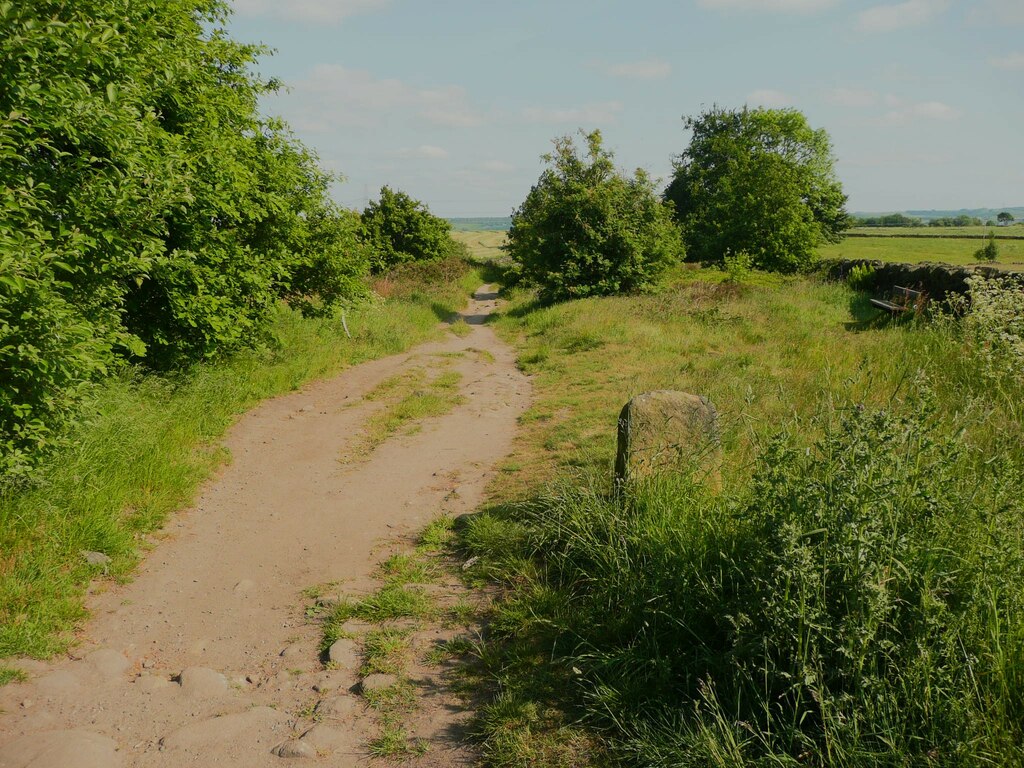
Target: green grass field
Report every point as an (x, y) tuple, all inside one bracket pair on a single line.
[(145, 443), (915, 250), (866, 462), (483, 245)]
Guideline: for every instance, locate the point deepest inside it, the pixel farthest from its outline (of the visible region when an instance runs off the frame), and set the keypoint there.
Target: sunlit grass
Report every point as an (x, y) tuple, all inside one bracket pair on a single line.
[(773, 354)]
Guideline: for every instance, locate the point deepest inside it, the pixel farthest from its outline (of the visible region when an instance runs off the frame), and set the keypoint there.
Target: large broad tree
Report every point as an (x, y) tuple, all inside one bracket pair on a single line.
[(757, 181), (587, 230), (148, 212), (1005, 217)]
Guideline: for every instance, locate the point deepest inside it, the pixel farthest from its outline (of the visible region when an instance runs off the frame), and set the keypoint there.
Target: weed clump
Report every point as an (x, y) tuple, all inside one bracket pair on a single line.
[(861, 277), (989, 251)]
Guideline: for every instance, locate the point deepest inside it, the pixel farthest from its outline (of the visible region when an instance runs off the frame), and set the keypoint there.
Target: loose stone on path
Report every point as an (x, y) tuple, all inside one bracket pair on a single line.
[(295, 749), (344, 653), (378, 681), (202, 683)]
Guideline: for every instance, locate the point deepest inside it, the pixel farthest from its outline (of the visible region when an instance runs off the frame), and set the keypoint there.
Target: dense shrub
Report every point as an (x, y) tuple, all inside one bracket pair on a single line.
[(587, 230), (858, 605), (400, 229), (757, 181), (147, 213), (989, 251)]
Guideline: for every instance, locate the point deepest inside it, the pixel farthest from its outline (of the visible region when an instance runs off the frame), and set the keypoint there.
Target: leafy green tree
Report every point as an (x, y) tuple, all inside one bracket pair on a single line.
[(401, 229), (587, 230), (1005, 217), (759, 181), (148, 213)]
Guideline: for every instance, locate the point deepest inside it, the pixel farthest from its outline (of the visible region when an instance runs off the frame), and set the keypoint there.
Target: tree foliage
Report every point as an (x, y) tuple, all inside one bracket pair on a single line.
[(963, 220), (400, 229), (888, 220), (587, 230), (757, 181), (1005, 217), (147, 213)]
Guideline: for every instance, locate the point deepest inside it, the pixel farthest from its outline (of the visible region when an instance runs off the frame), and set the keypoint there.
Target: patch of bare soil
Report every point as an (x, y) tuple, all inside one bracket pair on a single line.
[(207, 657)]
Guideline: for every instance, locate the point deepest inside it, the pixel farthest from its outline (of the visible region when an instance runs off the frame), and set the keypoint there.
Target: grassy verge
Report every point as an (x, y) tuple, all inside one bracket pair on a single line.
[(852, 597), (145, 443)]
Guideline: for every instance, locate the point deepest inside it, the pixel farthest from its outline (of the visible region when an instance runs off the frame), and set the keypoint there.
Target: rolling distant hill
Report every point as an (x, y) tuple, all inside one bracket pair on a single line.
[(482, 224), (981, 213)]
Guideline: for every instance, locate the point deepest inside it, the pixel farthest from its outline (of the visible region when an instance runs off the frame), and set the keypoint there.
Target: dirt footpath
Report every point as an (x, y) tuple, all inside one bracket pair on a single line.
[(207, 658)]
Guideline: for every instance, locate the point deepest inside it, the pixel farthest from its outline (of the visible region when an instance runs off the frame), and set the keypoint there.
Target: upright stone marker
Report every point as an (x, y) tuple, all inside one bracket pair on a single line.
[(666, 431)]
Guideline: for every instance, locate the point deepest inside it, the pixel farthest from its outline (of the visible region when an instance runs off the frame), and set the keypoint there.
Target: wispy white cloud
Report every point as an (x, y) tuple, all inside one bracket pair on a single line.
[(767, 97), (588, 114), (426, 151), (996, 12), (904, 113), (891, 159), (648, 69), (333, 96), (1010, 61), (497, 166), (852, 97), (772, 6), (911, 13), (320, 11), (900, 111)]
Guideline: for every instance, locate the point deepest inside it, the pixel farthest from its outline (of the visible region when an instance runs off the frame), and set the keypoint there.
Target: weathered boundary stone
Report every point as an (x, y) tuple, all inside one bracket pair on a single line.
[(667, 431)]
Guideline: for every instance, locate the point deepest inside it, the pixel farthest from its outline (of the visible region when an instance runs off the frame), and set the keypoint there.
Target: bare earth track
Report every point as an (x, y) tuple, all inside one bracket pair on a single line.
[(206, 658)]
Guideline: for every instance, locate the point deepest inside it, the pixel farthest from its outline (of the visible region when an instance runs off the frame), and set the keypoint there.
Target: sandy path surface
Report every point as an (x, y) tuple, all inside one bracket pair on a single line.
[(220, 598)]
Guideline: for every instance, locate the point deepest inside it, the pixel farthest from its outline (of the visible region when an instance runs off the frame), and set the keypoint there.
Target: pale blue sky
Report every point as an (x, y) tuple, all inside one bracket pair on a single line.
[(454, 101)]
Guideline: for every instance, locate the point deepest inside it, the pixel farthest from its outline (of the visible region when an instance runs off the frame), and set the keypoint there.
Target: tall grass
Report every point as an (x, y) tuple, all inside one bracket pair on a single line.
[(144, 443), (852, 598)]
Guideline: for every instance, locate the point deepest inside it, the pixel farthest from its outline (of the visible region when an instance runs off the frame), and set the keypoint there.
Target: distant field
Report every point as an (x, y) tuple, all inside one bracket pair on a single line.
[(482, 244), (1017, 230), (481, 224), (1011, 252), (914, 250)]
